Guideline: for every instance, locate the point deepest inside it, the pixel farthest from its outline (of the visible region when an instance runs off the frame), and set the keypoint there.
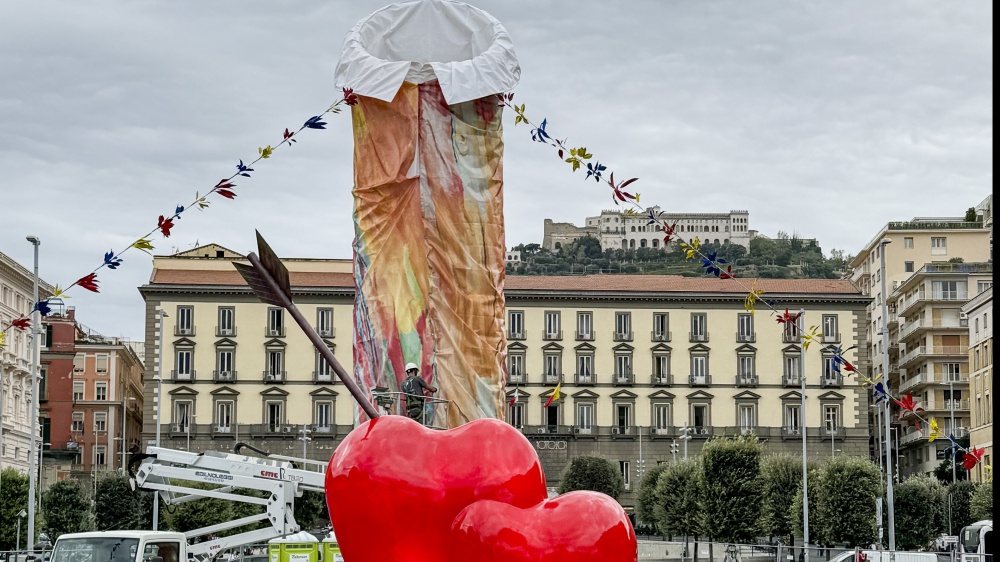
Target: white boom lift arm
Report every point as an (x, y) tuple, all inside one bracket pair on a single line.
[(281, 478)]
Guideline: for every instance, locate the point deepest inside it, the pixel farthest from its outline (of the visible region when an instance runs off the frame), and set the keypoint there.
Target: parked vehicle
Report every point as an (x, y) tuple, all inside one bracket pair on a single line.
[(883, 556), (975, 542)]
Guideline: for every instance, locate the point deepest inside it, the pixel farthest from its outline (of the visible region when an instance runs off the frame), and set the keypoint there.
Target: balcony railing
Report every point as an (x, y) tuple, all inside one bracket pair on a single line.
[(585, 379), (327, 332), (225, 332), (184, 331), (623, 379), (746, 380), (946, 405), (553, 335), (742, 337), (699, 380), (932, 296), (662, 431), (659, 336), (701, 432), (512, 335), (921, 351), (911, 327), (791, 380), (517, 378), (661, 380), (789, 432), (585, 336), (620, 431), (323, 376), (223, 376), (623, 336), (831, 381), (930, 378), (553, 378), (831, 338), (699, 337), (187, 376), (274, 376)]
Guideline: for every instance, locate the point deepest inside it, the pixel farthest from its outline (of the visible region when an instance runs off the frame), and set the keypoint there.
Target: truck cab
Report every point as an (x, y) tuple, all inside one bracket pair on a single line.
[(976, 542), (121, 546)]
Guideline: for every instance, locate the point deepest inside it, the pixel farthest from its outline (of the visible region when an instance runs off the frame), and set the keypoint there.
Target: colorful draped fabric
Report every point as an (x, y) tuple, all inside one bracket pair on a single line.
[(429, 248)]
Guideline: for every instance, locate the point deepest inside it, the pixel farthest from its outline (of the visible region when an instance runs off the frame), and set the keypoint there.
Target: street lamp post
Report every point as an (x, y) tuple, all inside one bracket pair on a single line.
[(951, 406), (125, 402), (802, 427), (20, 516), (159, 409), (187, 428), (305, 431), (685, 436), (35, 321), (885, 413)]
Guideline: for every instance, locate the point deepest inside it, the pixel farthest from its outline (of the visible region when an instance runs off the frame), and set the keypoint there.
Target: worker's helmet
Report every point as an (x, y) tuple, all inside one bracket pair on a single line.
[(412, 367)]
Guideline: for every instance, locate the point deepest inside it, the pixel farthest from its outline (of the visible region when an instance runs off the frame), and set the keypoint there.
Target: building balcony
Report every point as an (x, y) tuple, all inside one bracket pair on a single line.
[(183, 377), (789, 432), (911, 436), (702, 431), (831, 381), (623, 379), (223, 376), (516, 336), (693, 337), (946, 406), (830, 338), (323, 430), (827, 433), (918, 327), (552, 378), (323, 377), (861, 274), (584, 378), (893, 319), (585, 336), (661, 380), (746, 380), (182, 429), (791, 380), (958, 352), (923, 297), (623, 432), (327, 332), (659, 336), (272, 429), (746, 338), (790, 336), (274, 376), (552, 336), (549, 429), (622, 336), (699, 380), (585, 431), (223, 430), (225, 332), (662, 432), (922, 379), (517, 378), (180, 331), (735, 431)]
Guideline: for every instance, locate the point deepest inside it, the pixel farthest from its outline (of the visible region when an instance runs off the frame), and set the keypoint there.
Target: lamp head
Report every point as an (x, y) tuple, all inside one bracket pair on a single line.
[(34, 240), (885, 241)]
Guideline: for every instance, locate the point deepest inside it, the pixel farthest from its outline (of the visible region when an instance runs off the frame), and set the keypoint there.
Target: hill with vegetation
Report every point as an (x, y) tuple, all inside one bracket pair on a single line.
[(785, 257)]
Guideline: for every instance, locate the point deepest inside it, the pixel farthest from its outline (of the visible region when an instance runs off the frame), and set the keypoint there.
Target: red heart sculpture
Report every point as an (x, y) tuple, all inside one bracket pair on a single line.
[(574, 527), (394, 487)]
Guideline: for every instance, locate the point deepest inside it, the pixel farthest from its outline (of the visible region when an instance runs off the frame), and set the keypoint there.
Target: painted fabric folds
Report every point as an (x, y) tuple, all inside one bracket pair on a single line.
[(429, 247)]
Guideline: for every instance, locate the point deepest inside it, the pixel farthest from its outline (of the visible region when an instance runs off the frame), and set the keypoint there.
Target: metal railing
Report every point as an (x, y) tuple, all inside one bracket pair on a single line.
[(659, 336), (433, 412), (662, 380)]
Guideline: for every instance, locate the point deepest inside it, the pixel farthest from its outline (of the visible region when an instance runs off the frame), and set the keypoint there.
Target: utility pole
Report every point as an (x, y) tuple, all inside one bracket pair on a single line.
[(159, 408), (685, 436), (305, 439), (36, 318), (800, 326), (885, 414)]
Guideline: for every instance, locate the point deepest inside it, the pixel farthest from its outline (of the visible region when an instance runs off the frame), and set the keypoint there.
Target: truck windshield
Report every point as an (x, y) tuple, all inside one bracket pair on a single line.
[(95, 549), (970, 538)]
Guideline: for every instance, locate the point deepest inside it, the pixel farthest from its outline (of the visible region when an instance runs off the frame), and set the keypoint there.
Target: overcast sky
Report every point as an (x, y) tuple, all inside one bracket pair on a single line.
[(826, 119)]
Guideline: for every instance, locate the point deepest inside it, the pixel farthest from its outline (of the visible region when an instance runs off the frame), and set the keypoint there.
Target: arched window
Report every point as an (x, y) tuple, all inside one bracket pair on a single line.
[(631, 244), (642, 243), (656, 242), (633, 229)]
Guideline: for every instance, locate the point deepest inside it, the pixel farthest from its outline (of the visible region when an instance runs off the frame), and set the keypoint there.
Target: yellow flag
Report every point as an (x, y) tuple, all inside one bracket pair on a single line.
[(555, 395), (935, 431)]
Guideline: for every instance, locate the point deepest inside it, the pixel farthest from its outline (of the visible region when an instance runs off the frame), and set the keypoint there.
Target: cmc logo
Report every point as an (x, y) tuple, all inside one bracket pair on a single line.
[(268, 474)]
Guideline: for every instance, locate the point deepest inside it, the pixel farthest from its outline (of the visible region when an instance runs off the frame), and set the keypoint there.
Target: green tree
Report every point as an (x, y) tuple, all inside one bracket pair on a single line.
[(200, 513), (981, 505), (13, 498), (66, 508), (960, 504), (782, 478), (970, 215), (731, 498), (116, 506), (817, 524), (850, 485), (310, 510), (645, 501), (592, 473), (678, 499), (918, 511)]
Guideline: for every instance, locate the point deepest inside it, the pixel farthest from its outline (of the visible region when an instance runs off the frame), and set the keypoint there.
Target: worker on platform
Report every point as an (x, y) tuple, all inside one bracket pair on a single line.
[(414, 387)]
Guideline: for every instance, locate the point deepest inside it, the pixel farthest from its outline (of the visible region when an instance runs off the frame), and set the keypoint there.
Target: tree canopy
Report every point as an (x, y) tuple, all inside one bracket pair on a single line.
[(592, 473)]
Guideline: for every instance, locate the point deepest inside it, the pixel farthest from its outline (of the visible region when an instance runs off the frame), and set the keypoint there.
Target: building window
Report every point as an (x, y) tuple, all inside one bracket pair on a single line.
[(227, 321), (747, 416), (324, 416), (275, 322), (78, 388), (623, 326), (623, 417), (185, 321), (183, 412), (948, 290), (185, 363), (552, 325), (324, 371), (100, 455), (939, 245), (102, 364), (661, 367), (515, 325), (831, 334), (952, 372), (746, 373), (791, 368), (908, 242), (552, 363), (101, 391), (699, 327), (744, 328), (699, 369), (831, 418), (908, 266), (661, 326), (324, 322), (515, 415), (661, 418), (584, 326), (274, 415), (623, 367), (100, 421), (76, 426), (626, 473), (79, 362), (699, 416), (584, 367), (982, 286), (515, 367), (585, 417), (224, 417), (792, 420), (275, 365), (225, 364), (829, 374)]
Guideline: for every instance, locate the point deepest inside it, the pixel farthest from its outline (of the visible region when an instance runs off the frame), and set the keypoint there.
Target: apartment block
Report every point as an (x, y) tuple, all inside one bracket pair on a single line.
[(637, 359), (979, 316)]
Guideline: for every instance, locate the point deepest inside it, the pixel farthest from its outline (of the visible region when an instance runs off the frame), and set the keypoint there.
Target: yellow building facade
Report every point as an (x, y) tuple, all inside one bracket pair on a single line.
[(636, 360), (979, 316)]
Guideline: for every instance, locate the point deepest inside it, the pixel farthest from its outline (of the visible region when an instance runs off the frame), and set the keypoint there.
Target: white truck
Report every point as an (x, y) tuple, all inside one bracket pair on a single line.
[(227, 476), (976, 542)]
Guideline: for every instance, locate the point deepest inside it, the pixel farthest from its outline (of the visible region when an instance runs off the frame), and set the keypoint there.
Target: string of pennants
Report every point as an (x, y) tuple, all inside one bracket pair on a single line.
[(579, 158)]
